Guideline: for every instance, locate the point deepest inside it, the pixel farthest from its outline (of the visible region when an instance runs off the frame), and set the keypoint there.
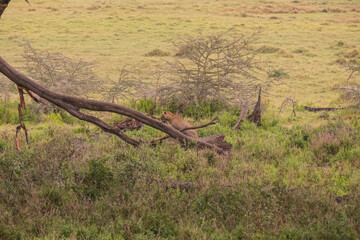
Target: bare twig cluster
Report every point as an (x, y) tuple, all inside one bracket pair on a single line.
[(6, 88), (289, 101), (122, 88), (60, 73), (351, 93), (254, 117), (354, 68)]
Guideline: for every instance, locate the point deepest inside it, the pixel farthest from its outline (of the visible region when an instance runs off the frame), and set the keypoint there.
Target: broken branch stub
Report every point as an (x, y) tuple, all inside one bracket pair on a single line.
[(21, 106), (242, 115), (255, 116)]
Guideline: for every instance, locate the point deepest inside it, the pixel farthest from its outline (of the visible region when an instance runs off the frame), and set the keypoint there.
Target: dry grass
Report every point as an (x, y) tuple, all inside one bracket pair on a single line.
[(302, 37)]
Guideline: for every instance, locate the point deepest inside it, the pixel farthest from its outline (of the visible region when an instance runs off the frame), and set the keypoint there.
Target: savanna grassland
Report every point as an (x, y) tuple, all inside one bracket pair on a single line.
[(294, 177)]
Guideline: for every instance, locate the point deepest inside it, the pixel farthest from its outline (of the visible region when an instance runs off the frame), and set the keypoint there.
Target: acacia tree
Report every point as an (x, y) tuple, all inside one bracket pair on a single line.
[(6, 88), (60, 73), (220, 67), (351, 91)]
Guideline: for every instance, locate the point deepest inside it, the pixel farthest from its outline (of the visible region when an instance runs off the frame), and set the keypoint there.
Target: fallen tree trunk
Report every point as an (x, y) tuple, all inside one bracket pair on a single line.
[(73, 105), (310, 109)]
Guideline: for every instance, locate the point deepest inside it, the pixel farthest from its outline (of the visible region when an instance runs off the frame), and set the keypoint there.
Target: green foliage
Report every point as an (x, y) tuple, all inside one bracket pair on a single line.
[(8, 113), (55, 117), (145, 105), (97, 179), (85, 189), (205, 109), (300, 136), (278, 73), (329, 140), (268, 49)]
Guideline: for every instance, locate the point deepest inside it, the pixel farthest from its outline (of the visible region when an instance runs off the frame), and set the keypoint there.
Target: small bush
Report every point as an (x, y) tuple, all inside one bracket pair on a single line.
[(324, 145), (267, 49), (351, 54), (157, 53), (145, 105), (97, 179), (278, 73), (206, 109), (300, 137), (9, 114)]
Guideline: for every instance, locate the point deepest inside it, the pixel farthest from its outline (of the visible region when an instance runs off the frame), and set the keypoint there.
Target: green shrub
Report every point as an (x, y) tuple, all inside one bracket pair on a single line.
[(55, 117), (327, 141), (299, 137), (97, 179), (87, 233), (268, 188), (145, 105), (205, 109), (325, 145), (9, 113), (278, 73)]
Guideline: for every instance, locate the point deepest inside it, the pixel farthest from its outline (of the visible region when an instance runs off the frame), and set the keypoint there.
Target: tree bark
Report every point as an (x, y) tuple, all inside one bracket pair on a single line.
[(255, 117), (3, 5), (242, 115), (73, 105)]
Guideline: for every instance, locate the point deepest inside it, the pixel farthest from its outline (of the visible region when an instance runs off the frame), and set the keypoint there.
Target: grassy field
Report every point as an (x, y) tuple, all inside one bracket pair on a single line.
[(292, 178), (307, 37)]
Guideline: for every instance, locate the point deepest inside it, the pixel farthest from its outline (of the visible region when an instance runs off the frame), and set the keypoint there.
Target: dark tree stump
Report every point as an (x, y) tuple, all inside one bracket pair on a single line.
[(255, 116), (219, 141)]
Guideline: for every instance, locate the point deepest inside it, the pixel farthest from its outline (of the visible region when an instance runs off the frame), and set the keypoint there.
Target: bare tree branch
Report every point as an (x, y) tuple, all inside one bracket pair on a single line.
[(73, 105)]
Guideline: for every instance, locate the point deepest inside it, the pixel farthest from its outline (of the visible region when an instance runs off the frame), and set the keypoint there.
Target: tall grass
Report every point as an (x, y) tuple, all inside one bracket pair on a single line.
[(278, 183)]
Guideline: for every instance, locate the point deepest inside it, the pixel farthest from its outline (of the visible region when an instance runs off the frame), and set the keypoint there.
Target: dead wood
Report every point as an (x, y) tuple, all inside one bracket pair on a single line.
[(73, 105), (343, 198), (310, 109), (288, 101), (21, 106), (129, 125), (182, 186), (242, 115), (219, 141), (255, 116)]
